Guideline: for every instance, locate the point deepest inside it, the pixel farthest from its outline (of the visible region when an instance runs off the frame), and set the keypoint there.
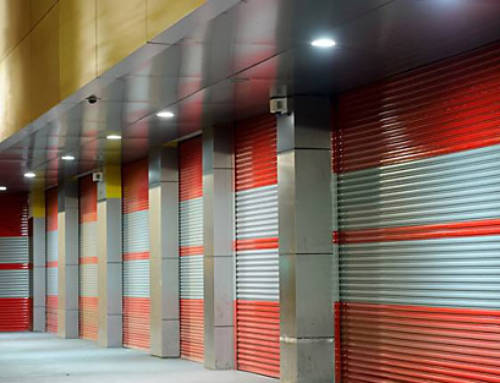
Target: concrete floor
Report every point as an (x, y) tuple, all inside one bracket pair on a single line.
[(40, 358)]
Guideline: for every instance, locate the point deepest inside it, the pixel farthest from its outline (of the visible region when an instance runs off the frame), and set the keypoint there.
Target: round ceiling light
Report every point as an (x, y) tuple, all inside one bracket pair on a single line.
[(324, 43)]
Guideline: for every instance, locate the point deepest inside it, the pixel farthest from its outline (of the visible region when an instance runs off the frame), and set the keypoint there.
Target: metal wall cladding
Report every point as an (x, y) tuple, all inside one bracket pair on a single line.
[(15, 266), (88, 293), (257, 254), (136, 262), (191, 249), (419, 224)]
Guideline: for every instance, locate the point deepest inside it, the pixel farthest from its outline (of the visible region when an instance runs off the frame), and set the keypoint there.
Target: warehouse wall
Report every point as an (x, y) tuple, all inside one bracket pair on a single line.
[(15, 265), (419, 213), (51, 48)]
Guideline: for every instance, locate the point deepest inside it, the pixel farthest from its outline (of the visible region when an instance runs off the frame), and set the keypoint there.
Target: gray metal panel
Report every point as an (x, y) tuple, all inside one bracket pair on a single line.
[(440, 272), (191, 282), (52, 281), (455, 187), (52, 246), (257, 275), (88, 280), (88, 239), (136, 232), (136, 279), (14, 283), (191, 222), (14, 250), (257, 213), (257, 271)]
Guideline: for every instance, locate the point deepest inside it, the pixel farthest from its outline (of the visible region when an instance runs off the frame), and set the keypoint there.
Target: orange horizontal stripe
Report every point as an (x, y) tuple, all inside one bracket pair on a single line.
[(256, 244), (191, 250), (51, 264), (88, 260), (407, 233), (136, 256)]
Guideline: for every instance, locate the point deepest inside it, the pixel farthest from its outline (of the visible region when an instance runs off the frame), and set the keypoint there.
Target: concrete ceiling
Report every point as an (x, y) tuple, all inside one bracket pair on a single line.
[(226, 60)]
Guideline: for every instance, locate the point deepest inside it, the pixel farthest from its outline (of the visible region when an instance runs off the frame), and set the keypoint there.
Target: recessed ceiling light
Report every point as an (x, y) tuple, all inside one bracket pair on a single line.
[(68, 157), (3, 188), (114, 137), (30, 175), (324, 42), (165, 114)]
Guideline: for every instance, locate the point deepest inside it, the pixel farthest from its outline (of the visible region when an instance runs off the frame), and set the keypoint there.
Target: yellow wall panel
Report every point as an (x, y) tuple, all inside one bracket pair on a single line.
[(45, 63), (14, 23), (78, 44), (161, 14), (15, 80), (121, 29), (39, 9)]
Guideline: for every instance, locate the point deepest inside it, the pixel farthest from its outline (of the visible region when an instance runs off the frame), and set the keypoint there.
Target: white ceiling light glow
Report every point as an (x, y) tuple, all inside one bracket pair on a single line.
[(114, 137), (3, 188), (165, 114), (324, 43), (68, 157), (30, 175)]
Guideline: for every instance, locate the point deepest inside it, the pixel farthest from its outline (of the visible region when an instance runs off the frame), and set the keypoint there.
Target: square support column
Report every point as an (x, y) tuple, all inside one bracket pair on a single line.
[(305, 247), (109, 257), (164, 272), (218, 234), (67, 221), (38, 257)]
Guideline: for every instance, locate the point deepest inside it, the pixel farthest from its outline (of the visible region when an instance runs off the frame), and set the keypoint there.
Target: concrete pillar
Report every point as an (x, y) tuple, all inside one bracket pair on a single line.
[(109, 257), (67, 243), (305, 248), (164, 251), (218, 233), (38, 257)]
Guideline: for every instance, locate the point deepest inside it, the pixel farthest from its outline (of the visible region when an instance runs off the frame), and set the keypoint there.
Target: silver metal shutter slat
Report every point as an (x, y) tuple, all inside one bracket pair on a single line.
[(136, 232), (136, 278)]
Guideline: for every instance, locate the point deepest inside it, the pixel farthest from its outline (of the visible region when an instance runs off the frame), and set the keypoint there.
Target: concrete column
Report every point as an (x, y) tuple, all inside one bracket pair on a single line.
[(164, 248), (38, 257), (305, 248), (67, 221), (218, 233), (109, 257)]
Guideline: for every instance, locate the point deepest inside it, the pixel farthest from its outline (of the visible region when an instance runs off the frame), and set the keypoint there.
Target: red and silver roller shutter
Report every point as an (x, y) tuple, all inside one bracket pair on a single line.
[(52, 257), (191, 249), (88, 300), (419, 214), (136, 261), (15, 267), (257, 269)]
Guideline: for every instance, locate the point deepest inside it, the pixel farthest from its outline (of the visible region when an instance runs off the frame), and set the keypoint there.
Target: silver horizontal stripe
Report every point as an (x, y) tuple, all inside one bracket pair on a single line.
[(14, 283), (52, 246), (88, 280), (88, 239), (191, 277), (136, 278), (449, 188), (52, 280), (191, 222), (14, 250), (439, 272), (257, 275), (136, 232), (257, 213)]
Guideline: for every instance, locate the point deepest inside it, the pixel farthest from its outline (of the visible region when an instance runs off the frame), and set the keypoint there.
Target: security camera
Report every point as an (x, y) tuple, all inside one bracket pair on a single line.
[(92, 99)]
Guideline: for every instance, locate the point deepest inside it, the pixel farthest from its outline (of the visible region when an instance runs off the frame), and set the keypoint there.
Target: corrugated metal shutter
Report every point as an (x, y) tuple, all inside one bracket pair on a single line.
[(191, 249), (418, 195), (257, 269), (88, 300), (52, 257), (136, 261), (15, 267)]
